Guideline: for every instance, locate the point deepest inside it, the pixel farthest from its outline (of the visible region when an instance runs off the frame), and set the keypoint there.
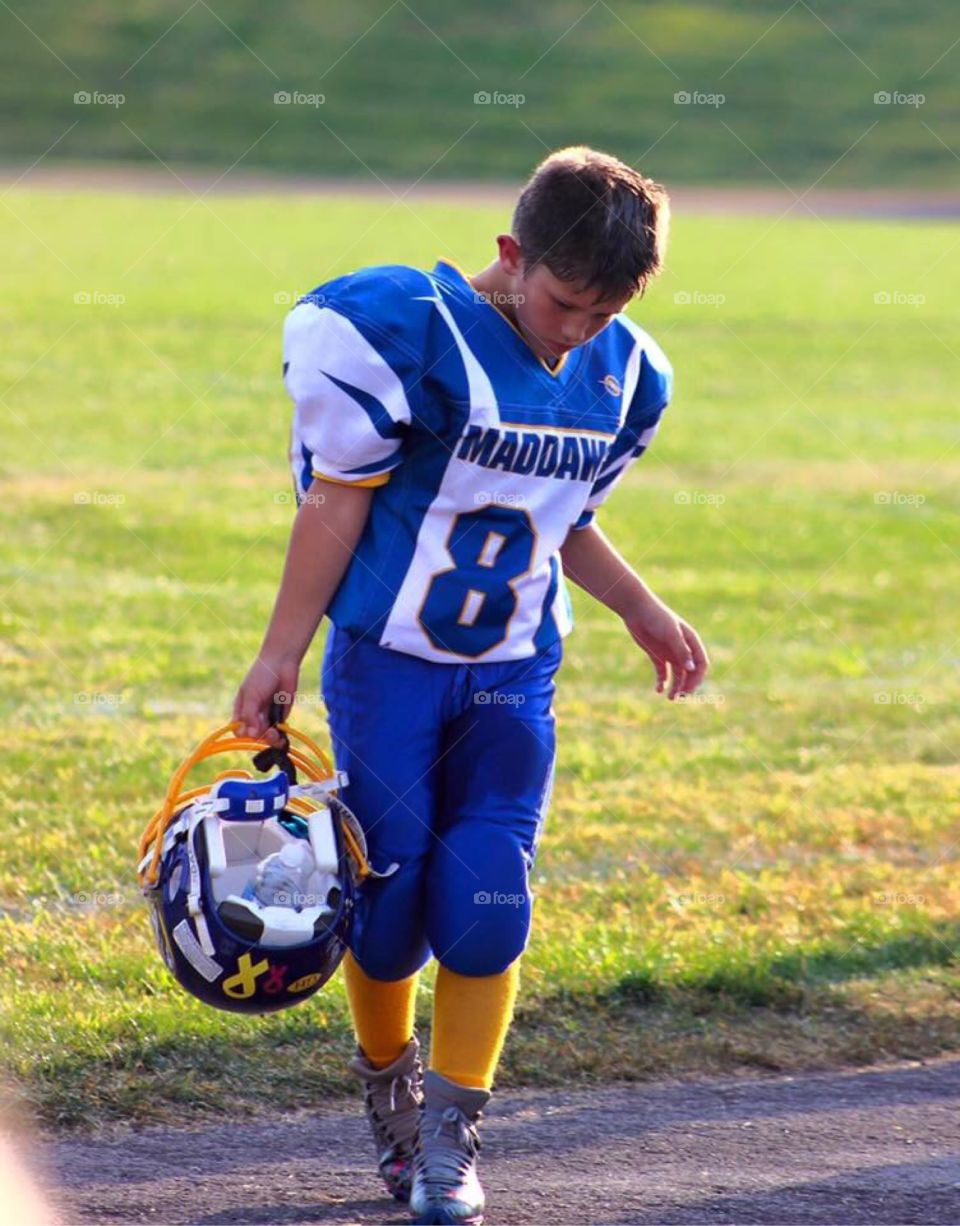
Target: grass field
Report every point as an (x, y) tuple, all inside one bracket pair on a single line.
[(394, 85), (763, 878)]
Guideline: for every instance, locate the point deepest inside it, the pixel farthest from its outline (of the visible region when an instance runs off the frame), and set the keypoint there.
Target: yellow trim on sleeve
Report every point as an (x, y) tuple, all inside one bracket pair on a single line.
[(366, 484)]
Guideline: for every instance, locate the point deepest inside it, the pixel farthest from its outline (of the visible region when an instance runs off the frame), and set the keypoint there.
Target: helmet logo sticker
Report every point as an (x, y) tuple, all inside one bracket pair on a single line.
[(304, 982), (244, 983), (274, 981)]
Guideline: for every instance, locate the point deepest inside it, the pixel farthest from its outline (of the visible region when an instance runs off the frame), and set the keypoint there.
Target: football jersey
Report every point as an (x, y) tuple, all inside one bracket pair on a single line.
[(483, 456)]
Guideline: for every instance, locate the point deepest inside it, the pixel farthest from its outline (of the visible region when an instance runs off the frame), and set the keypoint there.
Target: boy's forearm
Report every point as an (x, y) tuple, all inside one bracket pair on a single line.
[(591, 561), (324, 535)]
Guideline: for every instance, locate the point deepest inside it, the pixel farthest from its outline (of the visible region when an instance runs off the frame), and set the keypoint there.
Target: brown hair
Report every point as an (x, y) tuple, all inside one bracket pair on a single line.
[(590, 218)]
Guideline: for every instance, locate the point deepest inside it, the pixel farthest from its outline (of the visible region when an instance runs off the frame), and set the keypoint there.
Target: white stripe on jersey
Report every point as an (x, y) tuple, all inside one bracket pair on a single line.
[(483, 400), (335, 429)]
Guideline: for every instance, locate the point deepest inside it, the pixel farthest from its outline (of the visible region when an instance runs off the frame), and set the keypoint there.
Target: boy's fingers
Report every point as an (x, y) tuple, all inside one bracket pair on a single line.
[(680, 662), (699, 656)]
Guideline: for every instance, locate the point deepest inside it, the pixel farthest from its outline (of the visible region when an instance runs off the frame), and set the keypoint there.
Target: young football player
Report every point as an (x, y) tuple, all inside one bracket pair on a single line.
[(453, 438)]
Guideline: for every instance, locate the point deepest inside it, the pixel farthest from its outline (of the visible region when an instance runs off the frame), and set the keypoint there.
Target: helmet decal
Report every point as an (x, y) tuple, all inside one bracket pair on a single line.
[(255, 879)]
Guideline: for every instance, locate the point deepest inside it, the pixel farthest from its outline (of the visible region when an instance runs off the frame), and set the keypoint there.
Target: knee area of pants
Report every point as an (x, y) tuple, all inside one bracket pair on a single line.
[(480, 951), (389, 960), (391, 968), (482, 961)]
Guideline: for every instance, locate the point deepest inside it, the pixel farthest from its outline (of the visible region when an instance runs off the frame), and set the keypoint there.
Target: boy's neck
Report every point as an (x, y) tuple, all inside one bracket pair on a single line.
[(499, 288), (496, 285)]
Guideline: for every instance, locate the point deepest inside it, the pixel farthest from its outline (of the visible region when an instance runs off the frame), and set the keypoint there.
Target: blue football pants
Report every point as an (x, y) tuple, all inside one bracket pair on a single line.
[(451, 770)]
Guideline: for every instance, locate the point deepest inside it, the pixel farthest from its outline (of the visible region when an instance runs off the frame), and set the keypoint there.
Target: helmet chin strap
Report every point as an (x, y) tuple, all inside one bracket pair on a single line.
[(277, 755), (298, 752)]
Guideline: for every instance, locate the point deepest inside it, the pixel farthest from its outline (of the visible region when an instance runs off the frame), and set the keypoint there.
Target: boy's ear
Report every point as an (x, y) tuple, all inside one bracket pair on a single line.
[(511, 255)]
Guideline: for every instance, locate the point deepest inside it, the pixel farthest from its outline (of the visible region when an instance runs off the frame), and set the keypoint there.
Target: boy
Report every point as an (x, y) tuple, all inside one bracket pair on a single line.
[(453, 437)]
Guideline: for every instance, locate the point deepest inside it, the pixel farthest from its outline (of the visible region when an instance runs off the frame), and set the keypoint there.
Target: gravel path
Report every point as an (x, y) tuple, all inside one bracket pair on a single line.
[(149, 179), (873, 1146)]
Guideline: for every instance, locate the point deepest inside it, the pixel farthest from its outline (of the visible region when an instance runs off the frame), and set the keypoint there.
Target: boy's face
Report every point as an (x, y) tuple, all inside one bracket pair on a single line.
[(554, 316)]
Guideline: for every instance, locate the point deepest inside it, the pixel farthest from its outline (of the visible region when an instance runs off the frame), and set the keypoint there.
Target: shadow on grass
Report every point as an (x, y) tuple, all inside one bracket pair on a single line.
[(774, 1014), (785, 981)]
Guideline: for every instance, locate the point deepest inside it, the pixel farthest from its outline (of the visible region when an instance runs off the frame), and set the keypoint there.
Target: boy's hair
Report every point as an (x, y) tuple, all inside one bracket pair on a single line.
[(589, 218)]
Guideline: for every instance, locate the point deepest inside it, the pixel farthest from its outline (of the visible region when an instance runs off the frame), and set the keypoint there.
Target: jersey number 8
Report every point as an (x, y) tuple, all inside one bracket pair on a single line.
[(468, 606)]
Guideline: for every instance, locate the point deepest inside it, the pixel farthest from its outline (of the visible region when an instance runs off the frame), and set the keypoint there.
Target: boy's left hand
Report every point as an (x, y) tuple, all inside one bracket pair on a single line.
[(669, 641)]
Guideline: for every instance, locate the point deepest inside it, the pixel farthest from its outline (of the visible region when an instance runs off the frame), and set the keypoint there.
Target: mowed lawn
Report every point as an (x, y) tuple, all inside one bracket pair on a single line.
[(765, 877)]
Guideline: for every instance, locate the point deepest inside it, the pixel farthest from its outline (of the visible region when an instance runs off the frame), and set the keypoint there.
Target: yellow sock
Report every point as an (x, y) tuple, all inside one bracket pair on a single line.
[(471, 1017), (383, 1012)]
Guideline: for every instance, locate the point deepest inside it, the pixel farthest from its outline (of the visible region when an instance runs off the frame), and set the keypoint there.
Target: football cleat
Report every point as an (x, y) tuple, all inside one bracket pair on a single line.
[(393, 1097), (446, 1188), (252, 882)]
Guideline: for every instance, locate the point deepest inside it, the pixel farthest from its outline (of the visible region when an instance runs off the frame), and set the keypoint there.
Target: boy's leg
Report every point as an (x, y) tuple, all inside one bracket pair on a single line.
[(497, 779), (385, 720), (496, 787), (471, 1017), (382, 1012), (388, 1065)]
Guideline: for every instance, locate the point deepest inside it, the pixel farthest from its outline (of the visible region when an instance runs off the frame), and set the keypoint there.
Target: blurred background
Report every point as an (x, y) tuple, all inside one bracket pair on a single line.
[(726, 93), (761, 879)]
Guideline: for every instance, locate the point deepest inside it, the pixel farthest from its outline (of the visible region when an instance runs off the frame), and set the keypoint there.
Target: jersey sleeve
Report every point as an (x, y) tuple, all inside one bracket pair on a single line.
[(352, 368), (653, 388)]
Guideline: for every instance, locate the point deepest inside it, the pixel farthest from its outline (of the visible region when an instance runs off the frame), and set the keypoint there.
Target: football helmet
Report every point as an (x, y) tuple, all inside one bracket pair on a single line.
[(252, 881)]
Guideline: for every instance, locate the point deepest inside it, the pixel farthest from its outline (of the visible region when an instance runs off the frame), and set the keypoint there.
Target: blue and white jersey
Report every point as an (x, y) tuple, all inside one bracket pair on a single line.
[(484, 457)]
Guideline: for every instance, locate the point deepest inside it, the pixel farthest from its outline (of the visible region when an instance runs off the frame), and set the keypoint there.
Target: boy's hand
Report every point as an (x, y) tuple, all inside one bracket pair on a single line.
[(267, 682), (668, 640)]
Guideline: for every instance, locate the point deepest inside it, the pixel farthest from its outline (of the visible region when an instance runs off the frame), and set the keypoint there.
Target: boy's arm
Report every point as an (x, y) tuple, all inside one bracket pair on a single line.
[(325, 533), (592, 562)]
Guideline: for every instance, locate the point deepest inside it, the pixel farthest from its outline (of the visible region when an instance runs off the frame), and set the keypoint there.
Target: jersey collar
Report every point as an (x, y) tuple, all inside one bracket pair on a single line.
[(452, 275)]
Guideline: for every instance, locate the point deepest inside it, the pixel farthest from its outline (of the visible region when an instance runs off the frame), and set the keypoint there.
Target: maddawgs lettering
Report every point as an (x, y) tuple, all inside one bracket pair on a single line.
[(570, 457)]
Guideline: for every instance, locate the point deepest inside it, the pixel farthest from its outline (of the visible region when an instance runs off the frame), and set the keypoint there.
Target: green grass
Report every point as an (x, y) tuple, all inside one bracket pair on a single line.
[(399, 80), (764, 878)]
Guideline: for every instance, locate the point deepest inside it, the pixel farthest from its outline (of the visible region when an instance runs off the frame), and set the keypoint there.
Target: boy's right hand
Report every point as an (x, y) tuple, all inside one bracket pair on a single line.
[(267, 682)]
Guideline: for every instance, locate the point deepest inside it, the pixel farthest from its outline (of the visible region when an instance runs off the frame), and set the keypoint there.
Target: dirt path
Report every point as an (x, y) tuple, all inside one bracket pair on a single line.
[(150, 179), (875, 1146)]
